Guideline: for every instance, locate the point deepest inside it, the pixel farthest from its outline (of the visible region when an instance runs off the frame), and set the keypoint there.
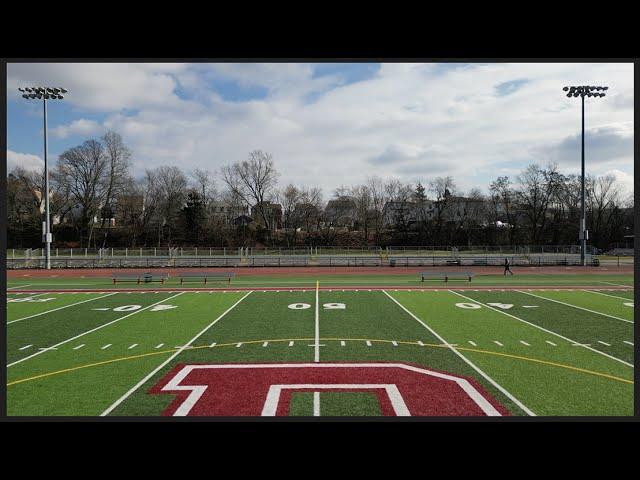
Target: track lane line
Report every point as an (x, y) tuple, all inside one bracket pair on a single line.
[(576, 306), (59, 308), (544, 329), (163, 364), (523, 407), (92, 330)]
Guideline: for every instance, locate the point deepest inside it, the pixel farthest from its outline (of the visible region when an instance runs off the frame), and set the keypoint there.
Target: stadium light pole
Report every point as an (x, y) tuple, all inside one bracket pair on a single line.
[(44, 94), (584, 91)]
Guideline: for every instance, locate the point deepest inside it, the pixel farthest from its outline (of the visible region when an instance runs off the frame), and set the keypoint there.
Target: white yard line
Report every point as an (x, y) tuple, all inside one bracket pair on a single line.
[(106, 346), (60, 308), (465, 359), (317, 342), (575, 306), (616, 284), (25, 347), (473, 343), (93, 329), (628, 343), (316, 404), (159, 345), (551, 343), (609, 295), (498, 343), (79, 346), (524, 343), (543, 329), (163, 364), (132, 346), (604, 343)]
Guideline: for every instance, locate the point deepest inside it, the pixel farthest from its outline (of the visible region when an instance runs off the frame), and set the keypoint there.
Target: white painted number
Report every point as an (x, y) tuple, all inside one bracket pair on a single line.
[(504, 306), (159, 308), (299, 306), (127, 308), (28, 299), (468, 306), (336, 306)]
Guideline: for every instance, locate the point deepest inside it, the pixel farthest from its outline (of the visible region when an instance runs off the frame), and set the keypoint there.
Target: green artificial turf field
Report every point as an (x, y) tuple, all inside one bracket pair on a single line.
[(327, 352)]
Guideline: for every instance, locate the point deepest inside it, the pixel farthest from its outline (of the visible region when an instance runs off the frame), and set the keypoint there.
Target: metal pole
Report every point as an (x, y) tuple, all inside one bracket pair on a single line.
[(583, 226), (47, 231)]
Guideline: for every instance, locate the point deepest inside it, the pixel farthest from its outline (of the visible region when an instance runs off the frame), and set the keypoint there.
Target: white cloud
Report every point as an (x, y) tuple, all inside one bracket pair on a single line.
[(418, 120), (82, 126), (24, 160)]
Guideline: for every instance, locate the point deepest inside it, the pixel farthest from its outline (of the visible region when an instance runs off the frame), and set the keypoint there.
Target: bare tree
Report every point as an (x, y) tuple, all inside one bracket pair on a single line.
[(254, 180), (503, 199), (442, 188), (537, 187), (82, 168), (118, 158)]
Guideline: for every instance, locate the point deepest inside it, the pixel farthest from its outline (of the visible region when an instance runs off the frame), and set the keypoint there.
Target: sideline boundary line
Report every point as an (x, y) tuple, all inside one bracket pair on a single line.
[(92, 330), (544, 329), (465, 359), (163, 364)]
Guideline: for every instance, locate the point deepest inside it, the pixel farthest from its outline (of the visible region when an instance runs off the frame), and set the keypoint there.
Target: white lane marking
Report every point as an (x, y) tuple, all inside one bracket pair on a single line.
[(96, 328), (239, 344), (368, 343), (25, 347), (79, 346), (498, 343), (524, 343), (59, 308), (105, 346), (44, 349), (473, 343), (420, 343), (580, 344), (316, 404), (163, 364), (159, 345), (607, 295), (551, 343), (132, 346), (342, 344), (604, 343), (465, 359), (575, 306), (394, 343), (213, 345), (628, 343), (265, 344), (100, 309), (291, 343), (548, 331), (529, 306)]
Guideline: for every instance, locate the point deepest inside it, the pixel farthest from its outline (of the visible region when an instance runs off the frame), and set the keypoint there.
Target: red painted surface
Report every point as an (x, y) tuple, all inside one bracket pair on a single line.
[(449, 286), (311, 271), (243, 391)]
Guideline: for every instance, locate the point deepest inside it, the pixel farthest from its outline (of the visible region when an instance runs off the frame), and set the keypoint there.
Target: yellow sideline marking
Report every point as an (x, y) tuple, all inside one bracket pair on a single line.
[(487, 352)]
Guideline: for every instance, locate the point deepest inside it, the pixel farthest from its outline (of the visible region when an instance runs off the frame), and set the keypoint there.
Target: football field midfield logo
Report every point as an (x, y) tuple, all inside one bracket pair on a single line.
[(266, 389)]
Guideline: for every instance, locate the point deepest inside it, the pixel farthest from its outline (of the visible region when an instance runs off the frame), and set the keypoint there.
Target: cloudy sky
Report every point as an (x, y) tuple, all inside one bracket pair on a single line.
[(331, 124)]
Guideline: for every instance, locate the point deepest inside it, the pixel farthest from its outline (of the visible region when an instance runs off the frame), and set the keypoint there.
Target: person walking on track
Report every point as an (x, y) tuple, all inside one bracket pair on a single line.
[(507, 267)]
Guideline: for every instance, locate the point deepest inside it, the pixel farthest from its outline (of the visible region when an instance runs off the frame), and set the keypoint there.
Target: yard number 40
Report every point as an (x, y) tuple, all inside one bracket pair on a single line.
[(475, 306)]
